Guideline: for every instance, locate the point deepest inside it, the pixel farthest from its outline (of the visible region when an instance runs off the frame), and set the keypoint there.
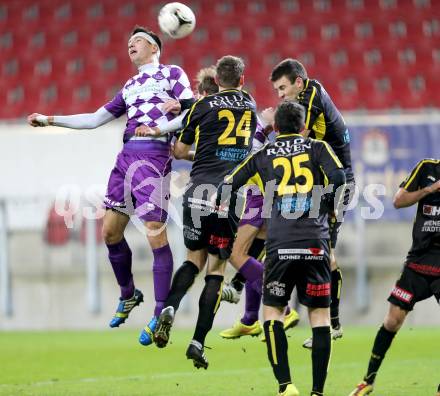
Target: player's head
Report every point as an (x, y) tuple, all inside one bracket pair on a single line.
[(289, 118), (206, 84), (229, 72), (144, 46), (288, 78)]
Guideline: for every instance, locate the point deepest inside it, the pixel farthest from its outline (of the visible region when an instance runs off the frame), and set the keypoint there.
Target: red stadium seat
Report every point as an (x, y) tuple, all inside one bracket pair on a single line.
[(261, 31)]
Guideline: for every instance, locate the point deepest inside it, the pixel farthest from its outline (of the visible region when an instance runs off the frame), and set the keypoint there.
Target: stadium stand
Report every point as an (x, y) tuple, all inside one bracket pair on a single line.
[(69, 56)]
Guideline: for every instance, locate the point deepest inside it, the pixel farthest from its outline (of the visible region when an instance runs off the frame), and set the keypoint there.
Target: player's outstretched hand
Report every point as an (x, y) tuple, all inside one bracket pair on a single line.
[(268, 115), (38, 120), (144, 130), (172, 106)]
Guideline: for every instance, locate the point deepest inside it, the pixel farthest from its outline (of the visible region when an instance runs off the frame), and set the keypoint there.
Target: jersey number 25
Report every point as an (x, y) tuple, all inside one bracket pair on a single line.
[(294, 164)]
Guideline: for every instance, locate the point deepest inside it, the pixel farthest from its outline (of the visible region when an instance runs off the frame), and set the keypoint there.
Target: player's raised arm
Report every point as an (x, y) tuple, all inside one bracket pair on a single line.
[(174, 125), (76, 121), (410, 192), (245, 173)]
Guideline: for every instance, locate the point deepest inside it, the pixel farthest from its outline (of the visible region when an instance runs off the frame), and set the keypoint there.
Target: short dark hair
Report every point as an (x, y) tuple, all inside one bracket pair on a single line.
[(291, 68), (206, 81), (229, 70), (141, 29), (289, 117)]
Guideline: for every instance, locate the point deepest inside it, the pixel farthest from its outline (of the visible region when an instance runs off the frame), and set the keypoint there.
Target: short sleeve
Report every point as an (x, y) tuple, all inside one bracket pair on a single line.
[(116, 106), (411, 183), (180, 85), (190, 124)]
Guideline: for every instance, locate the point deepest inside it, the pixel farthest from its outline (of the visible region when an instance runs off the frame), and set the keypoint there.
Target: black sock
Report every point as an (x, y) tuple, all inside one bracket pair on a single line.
[(321, 349), (276, 342), (257, 249), (182, 281), (336, 285), (238, 281), (208, 305), (381, 345)]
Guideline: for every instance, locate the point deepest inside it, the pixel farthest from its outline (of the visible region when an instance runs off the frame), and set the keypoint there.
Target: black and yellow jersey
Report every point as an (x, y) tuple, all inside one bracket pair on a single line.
[(425, 249), (325, 122), (291, 170), (222, 127)]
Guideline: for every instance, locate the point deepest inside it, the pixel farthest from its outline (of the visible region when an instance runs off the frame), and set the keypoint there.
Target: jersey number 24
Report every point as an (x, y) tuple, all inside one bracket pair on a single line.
[(243, 128)]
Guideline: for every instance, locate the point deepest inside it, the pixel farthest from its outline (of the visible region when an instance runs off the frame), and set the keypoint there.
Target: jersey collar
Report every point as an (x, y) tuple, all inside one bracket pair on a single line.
[(147, 66), (290, 134), (306, 84)]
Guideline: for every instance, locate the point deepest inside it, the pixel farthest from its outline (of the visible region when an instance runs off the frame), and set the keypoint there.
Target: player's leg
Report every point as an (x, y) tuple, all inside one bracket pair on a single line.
[(277, 347), (119, 254), (115, 221), (250, 243), (183, 279), (248, 266), (162, 273), (336, 283), (320, 322), (149, 181), (335, 296), (384, 337), (209, 302), (335, 227), (245, 243), (279, 280), (409, 289), (313, 285)]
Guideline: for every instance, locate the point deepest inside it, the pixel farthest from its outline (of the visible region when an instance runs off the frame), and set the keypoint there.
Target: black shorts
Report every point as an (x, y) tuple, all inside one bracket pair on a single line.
[(334, 224), (413, 287), (205, 229), (304, 264)]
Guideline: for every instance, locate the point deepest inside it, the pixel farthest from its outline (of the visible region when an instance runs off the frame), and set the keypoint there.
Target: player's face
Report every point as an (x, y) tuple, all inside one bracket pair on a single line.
[(140, 51), (286, 89)]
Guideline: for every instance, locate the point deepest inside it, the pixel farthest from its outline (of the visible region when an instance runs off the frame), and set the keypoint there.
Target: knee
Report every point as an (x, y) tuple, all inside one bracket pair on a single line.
[(111, 235), (394, 322), (156, 234)]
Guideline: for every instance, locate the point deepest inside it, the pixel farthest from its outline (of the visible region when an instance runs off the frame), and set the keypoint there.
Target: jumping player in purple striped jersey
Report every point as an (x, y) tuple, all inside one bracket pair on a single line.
[(139, 182)]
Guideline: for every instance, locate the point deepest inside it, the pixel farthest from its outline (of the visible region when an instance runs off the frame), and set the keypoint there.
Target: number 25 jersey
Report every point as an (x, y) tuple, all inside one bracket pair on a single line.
[(287, 171)]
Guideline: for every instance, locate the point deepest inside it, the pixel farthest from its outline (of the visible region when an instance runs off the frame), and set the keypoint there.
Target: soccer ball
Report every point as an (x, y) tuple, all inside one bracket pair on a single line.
[(176, 20)]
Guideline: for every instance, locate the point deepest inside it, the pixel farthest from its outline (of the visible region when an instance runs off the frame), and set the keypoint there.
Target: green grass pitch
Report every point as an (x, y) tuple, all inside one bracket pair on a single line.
[(111, 362)]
